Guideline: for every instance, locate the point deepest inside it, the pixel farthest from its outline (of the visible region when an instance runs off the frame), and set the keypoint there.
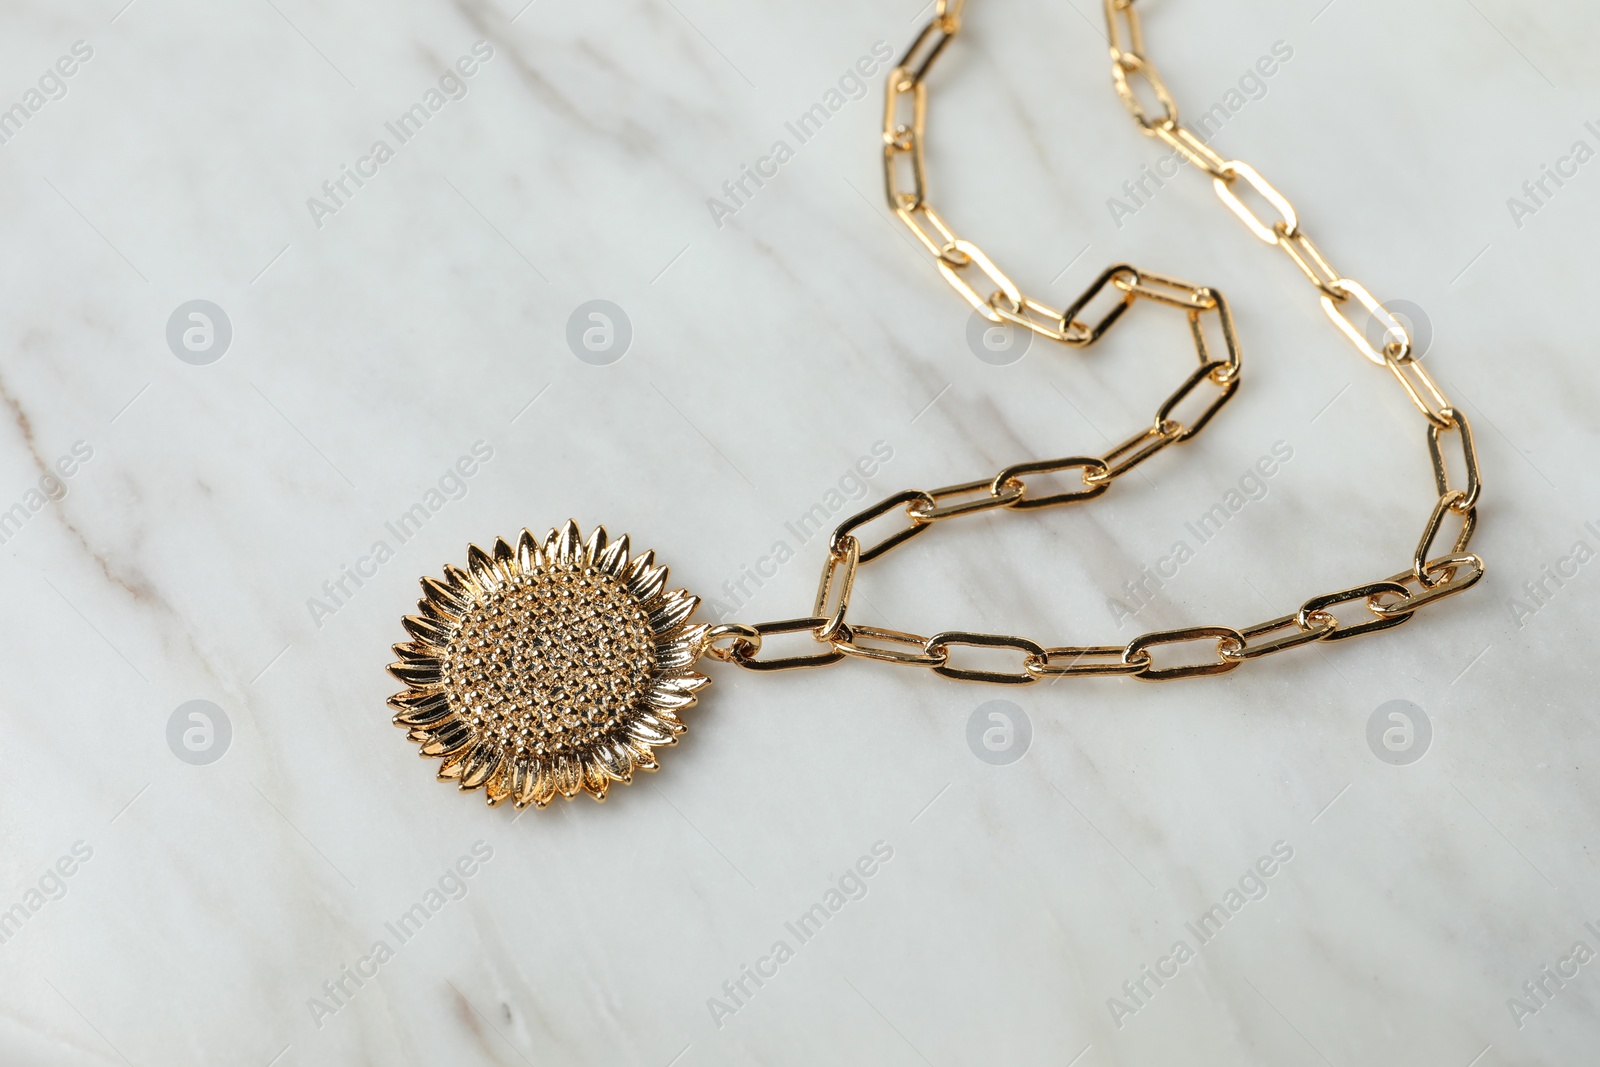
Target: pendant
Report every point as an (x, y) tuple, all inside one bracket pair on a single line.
[(548, 669)]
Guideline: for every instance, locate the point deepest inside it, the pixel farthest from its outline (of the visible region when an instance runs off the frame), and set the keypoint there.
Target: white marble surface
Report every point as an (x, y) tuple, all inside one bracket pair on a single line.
[(768, 355)]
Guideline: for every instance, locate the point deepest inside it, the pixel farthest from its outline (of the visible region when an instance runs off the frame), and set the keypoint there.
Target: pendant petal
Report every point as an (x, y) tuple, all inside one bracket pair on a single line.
[(420, 676), (498, 787), (430, 715), (441, 618), (544, 783), (615, 761), (595, 546), (665, 697), (643, 758), (418, 698), (681, 649), (416, 654), (568, 776), (647, 583), (454, 602), (411, 698), (569, 546), (685, 681), (676, 655), (427, 630), (461, 583), (675, 608), (483, 762), (524, 772), (483, 569), (505, 559), (448, 738), (451, 767), (638, 564), (595, 780), (667, 720), (651, 733), (614, 558), (529, 557)]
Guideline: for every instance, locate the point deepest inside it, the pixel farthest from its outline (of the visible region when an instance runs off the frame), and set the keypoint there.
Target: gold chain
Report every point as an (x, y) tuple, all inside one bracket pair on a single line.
[(1387, 603)]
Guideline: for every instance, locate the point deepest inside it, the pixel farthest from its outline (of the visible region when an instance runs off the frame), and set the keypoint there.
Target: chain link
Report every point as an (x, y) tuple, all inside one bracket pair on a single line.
[(1227, 639), (1382, 604), (850, 644), (847, 561), (1469, 452), (942, 643)]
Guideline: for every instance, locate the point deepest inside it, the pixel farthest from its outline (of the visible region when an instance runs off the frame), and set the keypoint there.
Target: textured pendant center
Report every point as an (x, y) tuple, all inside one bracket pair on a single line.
[(554, 668), (552, 663)]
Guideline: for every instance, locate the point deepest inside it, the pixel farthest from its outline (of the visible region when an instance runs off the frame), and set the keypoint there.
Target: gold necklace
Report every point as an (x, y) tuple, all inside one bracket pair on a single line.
[(560, 664)]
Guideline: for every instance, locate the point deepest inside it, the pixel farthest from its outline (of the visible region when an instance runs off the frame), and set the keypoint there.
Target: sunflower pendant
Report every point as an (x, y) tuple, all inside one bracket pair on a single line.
[(548, 669)]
